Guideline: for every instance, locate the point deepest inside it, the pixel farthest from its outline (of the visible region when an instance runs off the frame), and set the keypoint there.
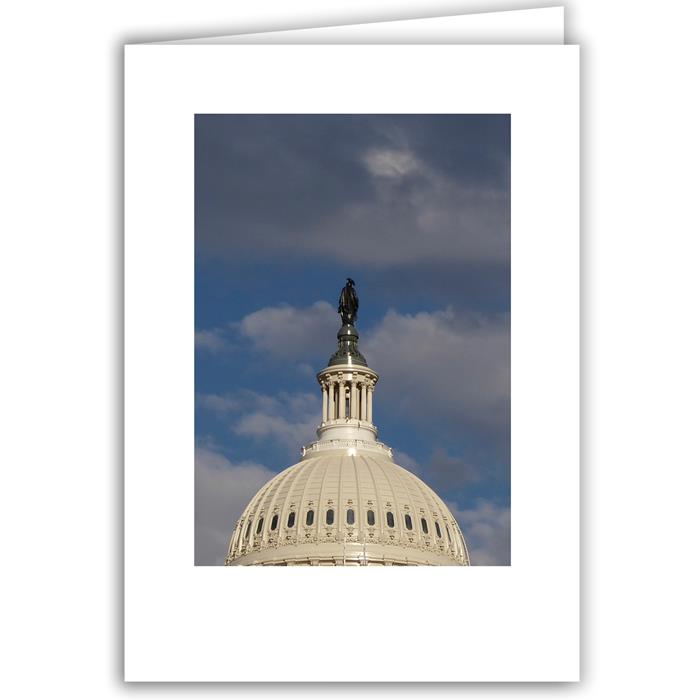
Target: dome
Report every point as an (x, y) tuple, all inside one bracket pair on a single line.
[(347, 502), (347, 507)]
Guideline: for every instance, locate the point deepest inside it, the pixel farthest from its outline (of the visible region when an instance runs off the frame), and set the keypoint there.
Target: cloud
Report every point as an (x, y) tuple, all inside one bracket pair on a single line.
[(406, 461), (289, 419), (444, 366), (210, 340), (446, 472), (390, 163), (486, 529), (417, 215), (403, 190), (292, 434), (222, 491), (284, 331), (219, 404)]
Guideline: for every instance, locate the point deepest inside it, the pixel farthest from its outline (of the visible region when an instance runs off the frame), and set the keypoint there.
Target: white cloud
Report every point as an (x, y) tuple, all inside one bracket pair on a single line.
[(284, 331), (293, 434), (211, 340), (390, 162), (220, 404), (443, 365), (486, 529), (222, 491), (289, 419)]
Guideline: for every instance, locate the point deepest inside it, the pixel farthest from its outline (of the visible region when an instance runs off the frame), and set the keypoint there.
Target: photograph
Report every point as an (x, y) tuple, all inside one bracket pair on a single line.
[(352, 339)]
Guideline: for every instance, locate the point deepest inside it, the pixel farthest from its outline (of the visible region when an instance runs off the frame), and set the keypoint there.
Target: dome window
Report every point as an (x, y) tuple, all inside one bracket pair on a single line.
[(390, 519), (370, 517), (247, 530), (408, 521), (309, 517), (329, 516), (424, 525), (437, 529), (291, 518), (275, 520), (258, 529), (350, 516), (449, 539)]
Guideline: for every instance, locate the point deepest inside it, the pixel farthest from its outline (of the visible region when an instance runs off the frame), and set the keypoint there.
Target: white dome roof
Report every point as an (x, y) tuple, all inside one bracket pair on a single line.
[(347, 507)]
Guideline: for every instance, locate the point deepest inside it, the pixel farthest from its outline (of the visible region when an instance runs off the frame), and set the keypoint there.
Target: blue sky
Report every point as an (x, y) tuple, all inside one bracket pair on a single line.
[(416, 209)]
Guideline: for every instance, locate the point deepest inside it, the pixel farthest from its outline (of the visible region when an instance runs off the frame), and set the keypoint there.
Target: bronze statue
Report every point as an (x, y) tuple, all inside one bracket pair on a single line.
[(348, 304), (348, 352)]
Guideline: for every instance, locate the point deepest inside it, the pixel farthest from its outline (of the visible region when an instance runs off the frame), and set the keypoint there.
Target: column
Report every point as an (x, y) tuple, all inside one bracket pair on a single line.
[(341, 399), (370, 394), (324, 401), (331, 400), (353, 399), (363, 403)]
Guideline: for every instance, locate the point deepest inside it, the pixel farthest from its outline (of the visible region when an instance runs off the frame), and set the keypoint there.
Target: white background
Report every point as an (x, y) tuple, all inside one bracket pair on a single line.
[(509, 623), (61, 359)]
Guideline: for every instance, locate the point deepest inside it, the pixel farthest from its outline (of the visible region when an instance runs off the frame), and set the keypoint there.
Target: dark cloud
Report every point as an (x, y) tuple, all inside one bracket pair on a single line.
[(446, 472), (402, 189), (445, 367)]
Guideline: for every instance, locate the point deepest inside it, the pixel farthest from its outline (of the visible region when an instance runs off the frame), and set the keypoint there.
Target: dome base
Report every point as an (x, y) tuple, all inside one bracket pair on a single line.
[(349, 554)]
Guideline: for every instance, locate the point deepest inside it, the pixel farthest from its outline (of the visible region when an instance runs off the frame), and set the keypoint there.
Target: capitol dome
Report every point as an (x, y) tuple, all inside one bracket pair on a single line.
[(347, 502)]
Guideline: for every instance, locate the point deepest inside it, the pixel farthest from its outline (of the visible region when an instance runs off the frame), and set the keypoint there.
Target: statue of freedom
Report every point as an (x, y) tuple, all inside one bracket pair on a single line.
[(348, 304)]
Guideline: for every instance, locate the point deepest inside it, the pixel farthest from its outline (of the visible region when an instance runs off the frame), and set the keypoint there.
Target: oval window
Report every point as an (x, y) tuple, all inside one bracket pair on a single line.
[(350, 516), (275, 520), (258, 529), (291, 518), (329, 516), (309, 517), (370, 517), (437, 529), (390, 519), (424, 525), (247, 530), (449, 539), (408, 521)]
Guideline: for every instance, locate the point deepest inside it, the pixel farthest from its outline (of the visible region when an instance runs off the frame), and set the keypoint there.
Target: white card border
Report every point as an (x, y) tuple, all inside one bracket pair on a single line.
[(518, 623)]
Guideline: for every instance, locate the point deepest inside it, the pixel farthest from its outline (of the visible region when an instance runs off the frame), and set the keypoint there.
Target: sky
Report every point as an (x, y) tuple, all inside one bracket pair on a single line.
[(416, 210)]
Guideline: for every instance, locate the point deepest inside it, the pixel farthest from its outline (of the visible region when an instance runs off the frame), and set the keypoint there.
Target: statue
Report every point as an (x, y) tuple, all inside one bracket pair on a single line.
[(348, 304), (347, 352)]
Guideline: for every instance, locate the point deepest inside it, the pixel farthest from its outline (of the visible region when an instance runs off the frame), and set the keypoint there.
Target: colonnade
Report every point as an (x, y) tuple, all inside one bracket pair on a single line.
[(347, 398)]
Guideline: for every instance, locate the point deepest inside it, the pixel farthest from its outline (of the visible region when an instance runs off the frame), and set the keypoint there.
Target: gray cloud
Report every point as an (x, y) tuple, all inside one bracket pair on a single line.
[(289, 419), (222, 491), (287, 332), (210, 340), (405, 460), (458, 365), (422, 217), (447, 472), (486, 529), (405, 190)]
